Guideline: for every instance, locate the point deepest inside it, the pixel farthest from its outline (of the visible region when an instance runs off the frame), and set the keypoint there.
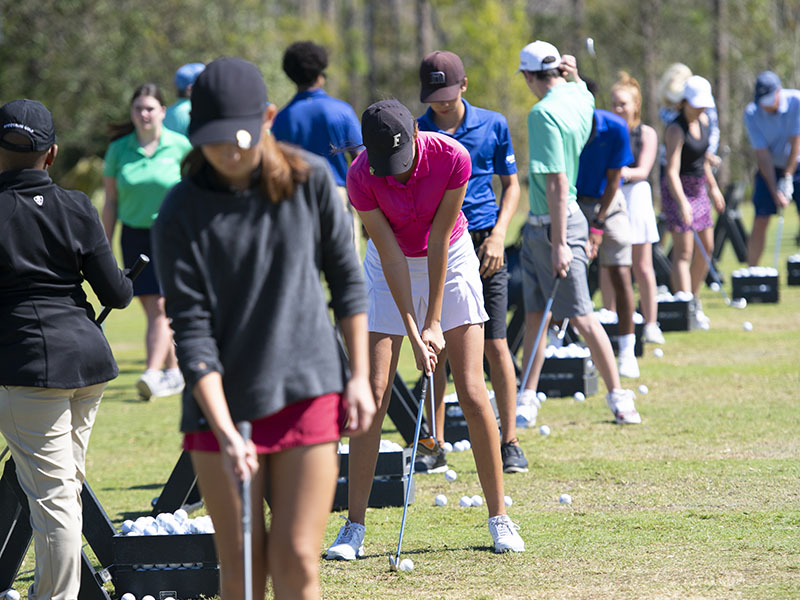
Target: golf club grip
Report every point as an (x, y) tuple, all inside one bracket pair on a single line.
[(134, 272)]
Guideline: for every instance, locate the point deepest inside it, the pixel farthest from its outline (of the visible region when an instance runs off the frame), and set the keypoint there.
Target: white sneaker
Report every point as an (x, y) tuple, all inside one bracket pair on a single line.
[(703, 322), (171, 383), (349, 544), (621, 404), (652, 334), (628, 367), (150, 384), (528, 406), (504, 534)]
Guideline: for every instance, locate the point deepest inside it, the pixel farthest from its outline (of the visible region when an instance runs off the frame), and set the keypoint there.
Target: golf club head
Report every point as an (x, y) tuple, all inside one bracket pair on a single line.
[(394, 563), (590, 46)]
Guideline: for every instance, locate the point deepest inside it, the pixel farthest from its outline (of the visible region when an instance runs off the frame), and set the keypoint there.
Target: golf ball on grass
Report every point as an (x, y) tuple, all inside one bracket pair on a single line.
[(447, 447), (406, 565), (450, 475), (477, 500), (508, 500), (643, 389), (565, 499), (658, 353), (748, 326), (544, 430), (466, 444), (459, 446), (541, 396), (12, 594), (440, 500), (714, 286), (465, 501), (579, 396)]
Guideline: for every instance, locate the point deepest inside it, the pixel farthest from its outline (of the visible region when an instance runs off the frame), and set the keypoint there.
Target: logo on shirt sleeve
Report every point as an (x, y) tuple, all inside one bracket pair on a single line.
[(39, 200), (511, 159)]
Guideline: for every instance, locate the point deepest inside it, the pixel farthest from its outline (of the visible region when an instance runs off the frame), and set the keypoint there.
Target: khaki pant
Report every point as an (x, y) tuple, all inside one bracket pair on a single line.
[(48, 431)]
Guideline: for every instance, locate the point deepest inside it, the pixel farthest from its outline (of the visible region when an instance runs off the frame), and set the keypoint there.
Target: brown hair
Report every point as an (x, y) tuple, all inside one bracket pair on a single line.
[(282, 168), (626, 83), (117, 130)]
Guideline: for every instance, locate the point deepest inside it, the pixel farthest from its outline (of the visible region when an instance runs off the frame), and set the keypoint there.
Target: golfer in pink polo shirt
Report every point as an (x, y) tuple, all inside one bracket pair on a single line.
[(423, 282)]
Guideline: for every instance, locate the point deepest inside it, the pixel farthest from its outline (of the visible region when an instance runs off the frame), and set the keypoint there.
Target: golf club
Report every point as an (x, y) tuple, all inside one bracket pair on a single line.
[(563, 329), (542, 325), (245, 430), (778, 238), (736, 302), (135, 271), (427, 388)]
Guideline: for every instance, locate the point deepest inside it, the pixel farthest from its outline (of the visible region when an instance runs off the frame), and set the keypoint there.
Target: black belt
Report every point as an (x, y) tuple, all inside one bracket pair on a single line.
[(478, 235)]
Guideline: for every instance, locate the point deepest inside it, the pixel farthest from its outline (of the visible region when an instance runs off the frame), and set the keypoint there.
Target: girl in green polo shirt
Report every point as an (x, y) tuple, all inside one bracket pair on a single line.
[(141, 164)]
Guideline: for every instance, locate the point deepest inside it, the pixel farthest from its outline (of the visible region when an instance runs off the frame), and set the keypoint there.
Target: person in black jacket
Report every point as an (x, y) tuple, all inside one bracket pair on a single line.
[(240, 244), (55, 361)]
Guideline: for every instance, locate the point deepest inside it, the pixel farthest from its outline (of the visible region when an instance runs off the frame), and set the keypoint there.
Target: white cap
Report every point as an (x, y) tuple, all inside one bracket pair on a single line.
[(697, 92), (539, 56)]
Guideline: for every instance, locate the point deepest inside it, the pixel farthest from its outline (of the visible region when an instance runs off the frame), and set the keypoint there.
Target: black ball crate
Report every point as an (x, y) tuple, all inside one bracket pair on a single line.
[(676, 315), (755, 287), (388, 485), (793, 270), (562, 377)]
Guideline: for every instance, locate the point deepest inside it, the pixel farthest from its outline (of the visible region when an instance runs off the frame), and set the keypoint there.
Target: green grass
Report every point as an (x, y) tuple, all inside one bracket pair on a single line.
[(700, 501)]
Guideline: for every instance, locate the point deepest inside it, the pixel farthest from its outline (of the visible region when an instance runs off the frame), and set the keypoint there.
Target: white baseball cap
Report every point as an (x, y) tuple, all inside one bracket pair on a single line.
[(697, 92), (539, 56)]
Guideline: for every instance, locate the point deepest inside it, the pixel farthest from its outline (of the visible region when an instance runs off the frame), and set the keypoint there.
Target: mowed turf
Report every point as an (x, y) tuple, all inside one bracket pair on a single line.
[(700, 501)]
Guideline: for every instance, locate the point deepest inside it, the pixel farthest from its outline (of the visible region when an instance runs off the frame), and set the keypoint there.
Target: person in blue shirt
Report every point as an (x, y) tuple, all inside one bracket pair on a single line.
[(485, 135), (177, 117), (316, 121), (772, 121), (602, 201)]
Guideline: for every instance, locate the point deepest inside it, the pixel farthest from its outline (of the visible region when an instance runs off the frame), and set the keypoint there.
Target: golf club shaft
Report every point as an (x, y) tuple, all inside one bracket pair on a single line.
[(426, 388), (778, 238), (542, 326), (136, 269), (433, 408), (563, 331), (711, 268), (245, 429)]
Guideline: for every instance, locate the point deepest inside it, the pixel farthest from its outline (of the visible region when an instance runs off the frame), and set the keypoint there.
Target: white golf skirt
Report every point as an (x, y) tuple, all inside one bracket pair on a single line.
[(462, 301), (639, 197)]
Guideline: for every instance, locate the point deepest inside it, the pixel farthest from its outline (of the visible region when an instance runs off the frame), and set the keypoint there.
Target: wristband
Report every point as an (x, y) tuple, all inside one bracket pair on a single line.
[(595, 231)]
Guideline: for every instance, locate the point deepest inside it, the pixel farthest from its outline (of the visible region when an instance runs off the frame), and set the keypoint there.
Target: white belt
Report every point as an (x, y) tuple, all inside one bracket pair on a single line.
[(540, 220)]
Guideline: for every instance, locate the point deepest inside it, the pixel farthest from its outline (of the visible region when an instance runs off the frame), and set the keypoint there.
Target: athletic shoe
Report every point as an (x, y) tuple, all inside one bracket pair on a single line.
[(172, 383), (150, 384), (504, 534), (528, 406), (349, 544), (514, 460), (652, 334), (621, 404), (628, 367), (431, 463)]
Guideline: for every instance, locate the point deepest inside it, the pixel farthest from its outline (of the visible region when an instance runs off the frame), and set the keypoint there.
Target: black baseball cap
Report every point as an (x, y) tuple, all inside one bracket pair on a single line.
[(28, 118), (441, 74), (388, 131), (228, 102)]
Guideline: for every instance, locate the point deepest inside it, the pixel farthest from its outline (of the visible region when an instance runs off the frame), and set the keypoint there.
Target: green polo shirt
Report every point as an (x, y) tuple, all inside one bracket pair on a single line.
[(143, 181), (558, 128)]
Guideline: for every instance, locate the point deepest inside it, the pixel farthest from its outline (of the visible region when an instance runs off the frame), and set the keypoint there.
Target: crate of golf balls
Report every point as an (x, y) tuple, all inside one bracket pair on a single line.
[(610, 322), (567, 370), (675, 311), (389, 483), (793, 269), (755, 284), (170, 555), (455, 425)]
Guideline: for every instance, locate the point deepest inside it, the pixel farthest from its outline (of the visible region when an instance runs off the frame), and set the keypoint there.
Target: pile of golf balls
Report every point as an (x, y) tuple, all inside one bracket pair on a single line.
[(569, 351), (544, 430), (565, 499), (609, 317), (794, 258), (461, 446), (755, 272), (177, 523), (681, 296)]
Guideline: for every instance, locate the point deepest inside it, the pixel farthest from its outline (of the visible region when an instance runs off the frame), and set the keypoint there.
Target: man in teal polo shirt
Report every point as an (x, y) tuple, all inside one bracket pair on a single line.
[(556, 235), (178, 113)]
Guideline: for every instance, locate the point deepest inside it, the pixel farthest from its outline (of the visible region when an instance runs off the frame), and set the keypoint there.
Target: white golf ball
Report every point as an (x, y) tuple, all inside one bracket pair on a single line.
[(579, 396), (12, 594), (714, 286), (148, 597), (658, 353), (127, 526), (465, 501), (748, 326), (459, 446), (128, 596), (466, 444), (508, 500), (406, 565), (477, 500), (440, 500), (544, 430), (541, 396), (565, 499), (447, 447), (181, 515), (643, 389), (450, 475)]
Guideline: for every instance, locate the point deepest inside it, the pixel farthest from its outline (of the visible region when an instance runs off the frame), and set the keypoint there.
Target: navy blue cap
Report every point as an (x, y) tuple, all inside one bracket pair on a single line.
[(767, 83)]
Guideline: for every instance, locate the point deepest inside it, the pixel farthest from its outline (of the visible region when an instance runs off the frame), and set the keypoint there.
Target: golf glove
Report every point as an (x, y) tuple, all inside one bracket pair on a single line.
[(786, 186)]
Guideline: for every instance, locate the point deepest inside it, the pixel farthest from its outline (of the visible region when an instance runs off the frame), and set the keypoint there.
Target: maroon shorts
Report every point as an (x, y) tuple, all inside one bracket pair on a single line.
[(305, 423)]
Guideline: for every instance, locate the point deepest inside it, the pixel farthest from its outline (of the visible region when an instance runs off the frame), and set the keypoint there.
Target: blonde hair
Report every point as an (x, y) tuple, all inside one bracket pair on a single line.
[(626, 83), (671, 85)]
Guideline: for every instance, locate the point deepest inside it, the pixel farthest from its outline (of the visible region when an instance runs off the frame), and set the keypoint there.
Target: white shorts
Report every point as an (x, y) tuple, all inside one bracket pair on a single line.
[(639, 196), (462, 301)]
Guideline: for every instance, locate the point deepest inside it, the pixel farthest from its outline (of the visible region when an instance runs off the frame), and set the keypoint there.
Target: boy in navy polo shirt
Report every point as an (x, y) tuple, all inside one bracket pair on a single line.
[(485, 135), (603, 204)]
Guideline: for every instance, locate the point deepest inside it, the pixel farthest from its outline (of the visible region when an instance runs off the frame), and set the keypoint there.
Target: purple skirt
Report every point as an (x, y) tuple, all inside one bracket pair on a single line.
[(694, 187)]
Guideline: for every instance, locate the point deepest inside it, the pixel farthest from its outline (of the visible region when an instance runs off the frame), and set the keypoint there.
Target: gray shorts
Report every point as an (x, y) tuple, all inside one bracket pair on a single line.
[(572, 298), (615, 251)]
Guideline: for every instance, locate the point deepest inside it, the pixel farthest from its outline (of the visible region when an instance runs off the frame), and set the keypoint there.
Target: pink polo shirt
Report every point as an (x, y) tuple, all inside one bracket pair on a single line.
[(443, 164)]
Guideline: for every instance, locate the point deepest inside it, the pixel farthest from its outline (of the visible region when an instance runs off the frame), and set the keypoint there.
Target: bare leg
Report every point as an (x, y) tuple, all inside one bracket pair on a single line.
[(755, 244), (600, 347), (225, 507), (607, 290), (158, 338), (623, 290), (503, 379), (699, 265), (466, 358), (384, 353), (645, 281), (303, 482), (682, 247)]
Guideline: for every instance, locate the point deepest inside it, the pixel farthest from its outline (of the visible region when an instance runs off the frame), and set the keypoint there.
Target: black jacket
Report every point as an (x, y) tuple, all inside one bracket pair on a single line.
[(50, 240)]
